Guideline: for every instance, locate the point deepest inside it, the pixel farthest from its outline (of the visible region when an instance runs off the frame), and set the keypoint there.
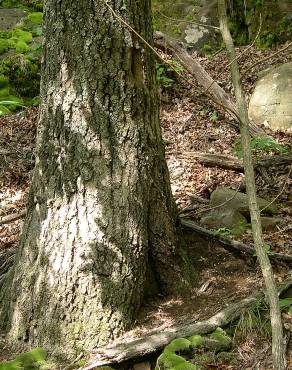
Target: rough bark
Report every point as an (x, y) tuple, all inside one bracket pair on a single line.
[(101, 220), (279, 361)]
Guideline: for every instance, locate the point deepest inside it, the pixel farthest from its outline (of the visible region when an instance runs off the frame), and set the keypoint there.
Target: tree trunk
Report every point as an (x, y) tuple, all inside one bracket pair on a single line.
[(101, 219)]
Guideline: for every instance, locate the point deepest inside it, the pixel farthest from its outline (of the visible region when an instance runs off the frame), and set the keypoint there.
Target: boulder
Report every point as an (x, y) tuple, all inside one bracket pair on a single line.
[(270, 223), (238, 201), (225, 218), (271, 101), (9, 18)]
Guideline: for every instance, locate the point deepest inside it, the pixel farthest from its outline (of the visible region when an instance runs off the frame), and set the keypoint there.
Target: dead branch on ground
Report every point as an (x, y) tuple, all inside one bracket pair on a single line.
[(154, 342)]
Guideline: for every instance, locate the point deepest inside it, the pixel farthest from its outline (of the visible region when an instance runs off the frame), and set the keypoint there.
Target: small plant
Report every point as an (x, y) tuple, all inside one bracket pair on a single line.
[(223, 231), (286, 304), (164, 73), (261, 144), (254, 320)]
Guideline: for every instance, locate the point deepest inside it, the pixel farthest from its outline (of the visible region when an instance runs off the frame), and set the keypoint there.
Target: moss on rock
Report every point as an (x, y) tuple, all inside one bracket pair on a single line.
[(35, 18), (4, 45), (179, 344), (34, 359), (22, 35), (196, 340), (221, 336), (169, 360)]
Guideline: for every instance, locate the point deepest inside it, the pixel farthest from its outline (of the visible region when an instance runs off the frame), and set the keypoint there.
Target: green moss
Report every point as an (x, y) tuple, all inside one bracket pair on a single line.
[(266, 40), (3, 81), (22, 47), (35, 18), (196, 340), (227, 357), (4, 92), (26, 361), (186, 366), (220, 335), (23, 74), (169, 360), (5, 34), (179, 344), (4, 45), (22, 35), (36, 5)]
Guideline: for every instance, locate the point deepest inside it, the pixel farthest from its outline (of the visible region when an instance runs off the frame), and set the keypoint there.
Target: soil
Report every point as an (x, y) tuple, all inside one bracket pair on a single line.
[(189, 123)]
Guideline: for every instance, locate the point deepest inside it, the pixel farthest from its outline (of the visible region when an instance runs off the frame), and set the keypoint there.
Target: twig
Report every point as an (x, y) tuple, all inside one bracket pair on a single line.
[(186, 21), (267, 58), (13, 217), (283, 188)]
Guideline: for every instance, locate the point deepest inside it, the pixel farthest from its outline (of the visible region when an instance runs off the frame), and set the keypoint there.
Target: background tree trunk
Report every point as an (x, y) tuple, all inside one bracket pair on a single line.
[(101, 219)]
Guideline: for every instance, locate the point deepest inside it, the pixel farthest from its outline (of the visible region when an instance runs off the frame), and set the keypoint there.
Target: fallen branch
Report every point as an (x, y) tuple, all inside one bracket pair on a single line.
[(13, 217), (229, 244), (235, 164), (212, 89), (156, 341)]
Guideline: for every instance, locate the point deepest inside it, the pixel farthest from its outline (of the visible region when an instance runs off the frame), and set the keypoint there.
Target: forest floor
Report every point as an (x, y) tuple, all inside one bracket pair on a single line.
[(189, 123)]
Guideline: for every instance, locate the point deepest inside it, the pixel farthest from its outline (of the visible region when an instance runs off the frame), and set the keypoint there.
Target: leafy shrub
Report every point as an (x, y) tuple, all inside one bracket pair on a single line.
[(261, 144), (166, 73)]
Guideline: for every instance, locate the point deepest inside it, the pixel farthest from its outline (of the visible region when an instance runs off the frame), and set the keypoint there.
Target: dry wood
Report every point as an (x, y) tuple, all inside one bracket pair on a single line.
[(278, 353), (235, 164), (212, 89), (13, 217), (156, 341), (229, 244)]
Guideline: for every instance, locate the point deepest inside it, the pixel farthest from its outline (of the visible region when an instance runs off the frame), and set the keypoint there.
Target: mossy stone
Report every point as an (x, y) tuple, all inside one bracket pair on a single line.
[(186, 366), (36, 18), (4, 81), (179, 344), (22, 35), (4, 92), (4, 46), (196, 340), (169, 360), (22, 47), (220, 335)]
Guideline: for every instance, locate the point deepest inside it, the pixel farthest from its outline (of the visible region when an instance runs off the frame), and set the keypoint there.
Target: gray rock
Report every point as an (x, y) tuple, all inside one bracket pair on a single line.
[(238, 201), (270, 223), (271, 101), (225, 218), (9, 18)]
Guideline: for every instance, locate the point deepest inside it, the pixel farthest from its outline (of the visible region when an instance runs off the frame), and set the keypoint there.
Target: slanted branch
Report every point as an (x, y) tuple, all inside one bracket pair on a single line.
[(210, 86)]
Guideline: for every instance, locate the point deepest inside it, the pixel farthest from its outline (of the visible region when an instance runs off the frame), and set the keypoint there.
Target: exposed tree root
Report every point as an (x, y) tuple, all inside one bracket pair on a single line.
[(229, 244), (156, 341)]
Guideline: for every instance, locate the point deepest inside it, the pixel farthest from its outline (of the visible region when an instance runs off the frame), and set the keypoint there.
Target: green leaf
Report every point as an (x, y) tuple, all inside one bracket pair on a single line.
[(285, 302)]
